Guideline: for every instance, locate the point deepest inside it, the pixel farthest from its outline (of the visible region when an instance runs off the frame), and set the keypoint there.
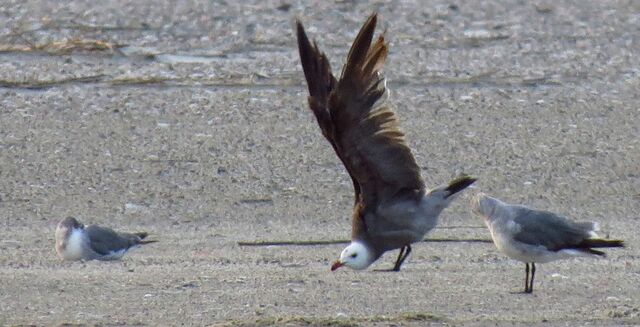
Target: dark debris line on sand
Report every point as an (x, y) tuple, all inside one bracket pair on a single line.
[(312, 243)]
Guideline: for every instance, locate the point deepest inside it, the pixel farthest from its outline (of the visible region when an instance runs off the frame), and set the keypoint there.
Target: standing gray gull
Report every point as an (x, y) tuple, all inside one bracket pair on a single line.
[(75, 241), (392, 207), (532, 236)]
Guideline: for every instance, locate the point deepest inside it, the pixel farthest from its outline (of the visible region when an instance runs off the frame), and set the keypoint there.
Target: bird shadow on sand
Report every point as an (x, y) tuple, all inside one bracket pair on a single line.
[(520, 293)]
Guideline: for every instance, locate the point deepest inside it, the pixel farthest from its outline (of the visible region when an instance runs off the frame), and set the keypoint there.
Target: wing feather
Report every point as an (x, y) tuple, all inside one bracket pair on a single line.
[(321, 83), (356, 118), (550, 230), (367, 131), (105, 240)]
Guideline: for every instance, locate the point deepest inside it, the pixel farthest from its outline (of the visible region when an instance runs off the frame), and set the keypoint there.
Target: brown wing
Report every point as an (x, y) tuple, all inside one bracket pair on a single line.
[(321, 83), (366, 132)]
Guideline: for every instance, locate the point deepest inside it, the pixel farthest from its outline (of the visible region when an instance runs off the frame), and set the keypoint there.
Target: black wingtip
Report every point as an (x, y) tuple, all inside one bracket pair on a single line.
[(315, 65), (601, 243), (142, 235), (361, 44), (300, 33), (459, 184), (587, 245), (305, 49)]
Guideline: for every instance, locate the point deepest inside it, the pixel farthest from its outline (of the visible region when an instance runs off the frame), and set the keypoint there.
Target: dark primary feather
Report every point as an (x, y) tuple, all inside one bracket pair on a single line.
[(360, 126), (588, 244), (321, 83), (367, 131), (601, 243), (460, 183), (105, 240)]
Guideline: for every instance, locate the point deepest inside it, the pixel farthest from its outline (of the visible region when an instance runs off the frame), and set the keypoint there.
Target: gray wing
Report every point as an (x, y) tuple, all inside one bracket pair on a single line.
[(105, 240), (550, 230)]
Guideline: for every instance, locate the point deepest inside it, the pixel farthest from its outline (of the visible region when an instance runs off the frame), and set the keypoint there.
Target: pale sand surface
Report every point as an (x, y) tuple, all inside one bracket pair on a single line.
[(192, 124)]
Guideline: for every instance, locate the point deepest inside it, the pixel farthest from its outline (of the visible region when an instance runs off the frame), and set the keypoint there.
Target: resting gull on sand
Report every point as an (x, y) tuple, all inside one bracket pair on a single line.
[(75, 241)]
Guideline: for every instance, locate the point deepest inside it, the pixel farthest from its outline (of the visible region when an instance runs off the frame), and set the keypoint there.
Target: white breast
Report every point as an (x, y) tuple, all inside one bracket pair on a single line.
[(75, 245)]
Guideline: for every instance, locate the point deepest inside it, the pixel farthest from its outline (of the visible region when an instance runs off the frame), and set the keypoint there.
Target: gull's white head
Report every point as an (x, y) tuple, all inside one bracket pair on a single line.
[(70, 239), (356, 256), (484, 205)]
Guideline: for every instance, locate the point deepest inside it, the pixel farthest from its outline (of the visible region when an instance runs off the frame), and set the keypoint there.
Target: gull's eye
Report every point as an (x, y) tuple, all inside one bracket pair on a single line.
[(354, 255)]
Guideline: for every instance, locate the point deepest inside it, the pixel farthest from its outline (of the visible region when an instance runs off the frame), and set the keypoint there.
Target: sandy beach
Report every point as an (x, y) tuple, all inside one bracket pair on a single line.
[(190, 121)]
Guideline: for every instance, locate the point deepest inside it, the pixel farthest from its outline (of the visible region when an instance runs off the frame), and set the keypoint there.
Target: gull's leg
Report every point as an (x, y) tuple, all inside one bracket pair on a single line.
[(396, 267), (533, 272), (526, 278), (404, 253)]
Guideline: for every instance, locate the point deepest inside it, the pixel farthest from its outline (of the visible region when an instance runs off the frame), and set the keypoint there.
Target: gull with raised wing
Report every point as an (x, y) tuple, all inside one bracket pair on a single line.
[(532, 236), (392, 208), (75, 241)]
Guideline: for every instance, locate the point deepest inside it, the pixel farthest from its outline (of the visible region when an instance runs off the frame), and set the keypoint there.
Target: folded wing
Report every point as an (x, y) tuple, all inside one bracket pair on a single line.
[(105, 241), (550, 230)]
